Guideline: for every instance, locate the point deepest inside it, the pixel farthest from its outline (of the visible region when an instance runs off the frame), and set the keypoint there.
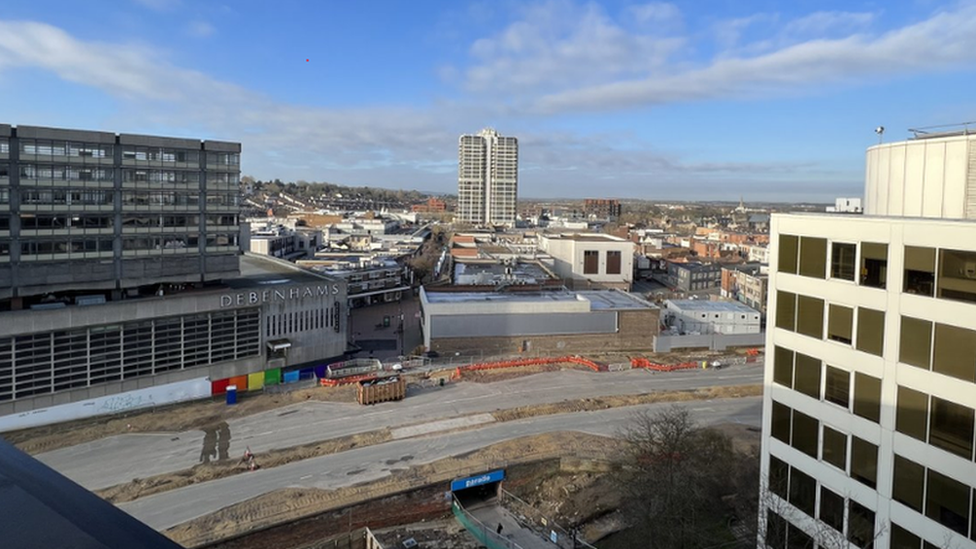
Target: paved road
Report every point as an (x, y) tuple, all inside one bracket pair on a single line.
[(142, 456), (168, 509)]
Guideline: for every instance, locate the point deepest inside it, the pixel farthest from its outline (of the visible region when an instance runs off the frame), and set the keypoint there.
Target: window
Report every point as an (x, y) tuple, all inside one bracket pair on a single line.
[(874, 264), (591, 262), (920, 271), (867, 397), (788, 247), (835, 448), (957, 275), (912, 413), (870, 331), (840, 324), (806, 378), (909, 485), (781, 422), (947, 502), (842, 260), (837, 388), (775, 530), (803, 491), (916, 342), (951, 427), (806, 434), (831, 509), (613, 263), (798, 539), (783, 366), (955, 352), (779, 473), (813, 257), (864, 462), (903, 539), (809, 316), (785, 310), (861, 525)]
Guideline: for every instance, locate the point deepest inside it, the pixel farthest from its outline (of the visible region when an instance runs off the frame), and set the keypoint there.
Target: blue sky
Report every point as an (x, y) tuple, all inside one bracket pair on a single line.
[(704, 100)]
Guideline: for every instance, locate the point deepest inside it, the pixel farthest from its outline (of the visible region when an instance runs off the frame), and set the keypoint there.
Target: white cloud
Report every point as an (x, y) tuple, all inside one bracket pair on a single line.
[(946, 40), (656, 12), (200, 29), (159, 5)]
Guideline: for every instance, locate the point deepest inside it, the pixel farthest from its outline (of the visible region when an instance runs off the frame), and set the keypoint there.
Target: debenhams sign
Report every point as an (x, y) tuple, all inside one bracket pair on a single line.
[(267, 296)]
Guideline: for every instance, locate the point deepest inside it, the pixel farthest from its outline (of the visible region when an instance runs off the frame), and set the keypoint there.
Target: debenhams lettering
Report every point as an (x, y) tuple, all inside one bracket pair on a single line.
[(265, 296)]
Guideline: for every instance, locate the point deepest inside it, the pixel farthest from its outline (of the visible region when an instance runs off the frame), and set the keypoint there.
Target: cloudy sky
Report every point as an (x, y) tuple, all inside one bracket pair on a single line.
[(698, 100)]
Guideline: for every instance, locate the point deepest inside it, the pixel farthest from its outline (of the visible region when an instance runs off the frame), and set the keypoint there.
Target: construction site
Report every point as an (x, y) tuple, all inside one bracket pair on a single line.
[(374, 452)]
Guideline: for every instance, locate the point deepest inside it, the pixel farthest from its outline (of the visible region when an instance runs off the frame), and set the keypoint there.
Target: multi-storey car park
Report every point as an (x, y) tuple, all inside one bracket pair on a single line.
[(871, 391), (121, 274)]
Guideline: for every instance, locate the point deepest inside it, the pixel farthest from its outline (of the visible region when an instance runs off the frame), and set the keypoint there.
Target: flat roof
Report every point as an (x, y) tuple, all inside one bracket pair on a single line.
[(599, 299), (585, 237), (705, 305), (258, 271)]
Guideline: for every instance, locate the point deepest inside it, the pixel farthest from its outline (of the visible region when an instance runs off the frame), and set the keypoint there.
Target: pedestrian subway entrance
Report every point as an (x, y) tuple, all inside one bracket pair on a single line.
[(477, 489)]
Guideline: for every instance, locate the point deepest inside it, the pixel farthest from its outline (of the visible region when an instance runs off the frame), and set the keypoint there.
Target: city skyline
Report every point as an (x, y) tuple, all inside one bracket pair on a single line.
[(656, 101)]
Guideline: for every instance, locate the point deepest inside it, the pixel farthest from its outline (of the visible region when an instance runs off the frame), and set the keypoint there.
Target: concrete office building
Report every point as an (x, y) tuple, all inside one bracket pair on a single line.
[(870, 398), (590, 260), (108, 212), (487, 179)]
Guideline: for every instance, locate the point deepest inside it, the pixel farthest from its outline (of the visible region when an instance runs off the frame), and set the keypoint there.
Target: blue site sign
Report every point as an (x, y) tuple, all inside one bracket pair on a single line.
[(478, 480)]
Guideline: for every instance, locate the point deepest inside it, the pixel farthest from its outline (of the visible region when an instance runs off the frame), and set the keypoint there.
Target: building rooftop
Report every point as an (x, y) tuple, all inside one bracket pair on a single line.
[(711, 306), (599, 299), (260, 271), (585, 237), (496, 271)]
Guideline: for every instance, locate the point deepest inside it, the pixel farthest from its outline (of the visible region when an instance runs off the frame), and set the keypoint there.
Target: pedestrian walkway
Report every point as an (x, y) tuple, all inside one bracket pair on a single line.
[(489, 515)]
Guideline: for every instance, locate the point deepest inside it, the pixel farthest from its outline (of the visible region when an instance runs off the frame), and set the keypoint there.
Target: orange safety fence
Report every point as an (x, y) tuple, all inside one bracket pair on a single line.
[(531, 362), (326, 382), (640, 362)]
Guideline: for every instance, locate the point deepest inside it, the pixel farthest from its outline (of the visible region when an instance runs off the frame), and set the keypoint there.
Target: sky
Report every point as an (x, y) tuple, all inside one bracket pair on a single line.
[(703, 100)]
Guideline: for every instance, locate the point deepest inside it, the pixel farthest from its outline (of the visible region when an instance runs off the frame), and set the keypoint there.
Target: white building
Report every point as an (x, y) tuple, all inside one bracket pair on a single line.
[(585, 259), (846, 205), (868, 412), (487, 179), (698, 316)]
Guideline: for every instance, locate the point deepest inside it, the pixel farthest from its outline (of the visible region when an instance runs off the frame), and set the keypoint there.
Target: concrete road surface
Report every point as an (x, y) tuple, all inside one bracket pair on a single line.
[(116, 460), (168, 509), (490, 515)]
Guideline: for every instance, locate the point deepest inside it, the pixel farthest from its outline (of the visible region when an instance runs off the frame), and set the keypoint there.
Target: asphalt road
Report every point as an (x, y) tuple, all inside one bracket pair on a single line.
[(174, 507), (143, 455)]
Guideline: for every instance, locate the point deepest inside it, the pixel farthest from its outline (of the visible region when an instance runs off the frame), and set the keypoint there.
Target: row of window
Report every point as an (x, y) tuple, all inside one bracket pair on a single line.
[(49, 147), (67, 197), (939, 422), (62, 173), (65, 245), (941, 348), (802, 432), (809, 376), (29, 221), (943, 273), (54, 361), (937, 496), (591, 262), (302, 321), (178, 198), (804, 314), (800, 490)]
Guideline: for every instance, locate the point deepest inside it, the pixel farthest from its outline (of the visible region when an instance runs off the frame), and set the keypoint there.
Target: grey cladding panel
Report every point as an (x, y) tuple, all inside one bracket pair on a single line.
[(156, 141), (4, 130), (522, 324), (222, 146), (37, 132)]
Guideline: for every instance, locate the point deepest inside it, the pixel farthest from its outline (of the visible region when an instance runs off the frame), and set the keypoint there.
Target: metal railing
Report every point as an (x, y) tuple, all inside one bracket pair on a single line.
[(485, 535), (533, 519)]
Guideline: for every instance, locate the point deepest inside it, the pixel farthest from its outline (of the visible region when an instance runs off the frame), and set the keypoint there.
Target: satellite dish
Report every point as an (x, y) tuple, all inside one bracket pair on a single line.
[(879, 130)]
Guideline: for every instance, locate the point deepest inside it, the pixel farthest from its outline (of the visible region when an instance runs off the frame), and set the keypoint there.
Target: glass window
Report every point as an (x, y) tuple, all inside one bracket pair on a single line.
[(951, 427), (909, 484), (591, 262), (788, 247), (837, 386), (775, 530), (861, 522), (864, 462), (786, 310), (778, 476), (835, 448), (912, 413), (903, 539), (613, 262), (783, 366), (874, 264), (916, 342), (781, 422), (957, 275), (806, 434), (840, 324), (803, 491), (809, 316), (955, 352), (798, 539), (920, 271), (870, 331), (807, 376), (867, 397), (813, 257), (831, 509), (842, 264), (947, 502)]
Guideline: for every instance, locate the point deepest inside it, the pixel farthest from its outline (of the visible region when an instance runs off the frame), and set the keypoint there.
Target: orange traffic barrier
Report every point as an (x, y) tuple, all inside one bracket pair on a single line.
[(641, 362), (531, 362), (325, 382)]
